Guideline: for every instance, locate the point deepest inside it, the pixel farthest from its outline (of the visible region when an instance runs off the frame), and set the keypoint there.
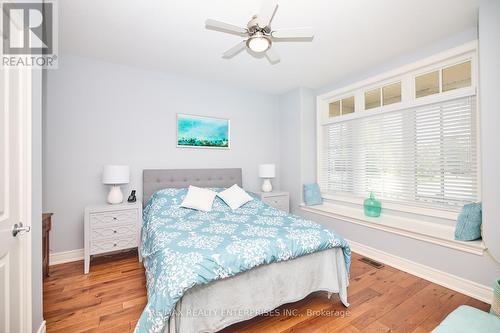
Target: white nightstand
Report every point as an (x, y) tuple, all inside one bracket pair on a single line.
[(111, 228), (279, 200)]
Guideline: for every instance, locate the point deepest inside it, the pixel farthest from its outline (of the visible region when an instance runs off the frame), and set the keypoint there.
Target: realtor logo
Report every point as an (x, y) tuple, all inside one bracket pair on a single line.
[(29, 34)]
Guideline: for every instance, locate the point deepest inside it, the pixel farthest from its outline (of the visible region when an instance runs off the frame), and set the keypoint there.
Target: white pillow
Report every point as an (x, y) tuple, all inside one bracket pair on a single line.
[(199, 198), (234, 197)]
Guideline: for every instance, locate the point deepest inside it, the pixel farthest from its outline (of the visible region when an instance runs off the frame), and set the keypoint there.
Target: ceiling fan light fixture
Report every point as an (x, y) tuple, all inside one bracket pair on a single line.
[(259, 36), (259, 42)]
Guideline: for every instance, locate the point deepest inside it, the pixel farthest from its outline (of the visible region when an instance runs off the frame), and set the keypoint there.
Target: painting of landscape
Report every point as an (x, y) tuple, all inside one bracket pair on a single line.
[(202, 132)]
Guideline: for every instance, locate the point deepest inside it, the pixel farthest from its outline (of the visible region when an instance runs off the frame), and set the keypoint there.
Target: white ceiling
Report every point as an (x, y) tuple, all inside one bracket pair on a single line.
[(167, 35)]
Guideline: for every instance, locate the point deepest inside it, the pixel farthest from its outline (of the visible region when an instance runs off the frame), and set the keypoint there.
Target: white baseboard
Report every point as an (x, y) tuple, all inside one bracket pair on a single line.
[(66, 256), (464, 286), (42, 328)]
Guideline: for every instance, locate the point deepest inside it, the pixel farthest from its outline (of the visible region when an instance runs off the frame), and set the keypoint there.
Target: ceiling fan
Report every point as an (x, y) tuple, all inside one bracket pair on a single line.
[(259, 34)]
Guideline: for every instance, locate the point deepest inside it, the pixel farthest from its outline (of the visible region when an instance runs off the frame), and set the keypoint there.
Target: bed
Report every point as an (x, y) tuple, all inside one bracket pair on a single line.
[(207, 271)]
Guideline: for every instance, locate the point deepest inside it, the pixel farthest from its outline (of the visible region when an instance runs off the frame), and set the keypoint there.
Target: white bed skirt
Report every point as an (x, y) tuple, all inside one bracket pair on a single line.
[(216, 305)]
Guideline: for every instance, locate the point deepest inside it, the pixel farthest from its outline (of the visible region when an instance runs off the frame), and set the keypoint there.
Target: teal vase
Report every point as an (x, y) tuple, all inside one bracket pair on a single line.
[(372, 206)]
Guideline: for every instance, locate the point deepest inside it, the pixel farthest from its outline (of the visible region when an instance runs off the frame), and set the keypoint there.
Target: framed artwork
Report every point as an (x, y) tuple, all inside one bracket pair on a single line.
[(202, 132)]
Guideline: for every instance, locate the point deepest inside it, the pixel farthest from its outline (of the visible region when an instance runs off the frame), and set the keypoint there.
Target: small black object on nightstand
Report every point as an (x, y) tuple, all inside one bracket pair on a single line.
[(131, 197)]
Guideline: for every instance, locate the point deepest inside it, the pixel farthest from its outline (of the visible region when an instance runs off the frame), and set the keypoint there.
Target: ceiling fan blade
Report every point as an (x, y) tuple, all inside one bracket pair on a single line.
[(272, 56), (267, 12), (294, 33), (235, 50), (225, 27)]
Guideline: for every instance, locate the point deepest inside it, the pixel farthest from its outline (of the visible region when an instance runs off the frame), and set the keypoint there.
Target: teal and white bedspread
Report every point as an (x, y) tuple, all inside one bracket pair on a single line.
[(183, 247)]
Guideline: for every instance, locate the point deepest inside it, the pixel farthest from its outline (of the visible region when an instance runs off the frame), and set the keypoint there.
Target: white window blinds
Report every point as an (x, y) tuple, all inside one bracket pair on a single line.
[(423, 155)]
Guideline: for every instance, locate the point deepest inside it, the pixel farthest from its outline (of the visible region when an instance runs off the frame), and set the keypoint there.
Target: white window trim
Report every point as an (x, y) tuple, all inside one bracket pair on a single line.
[(406, 75)]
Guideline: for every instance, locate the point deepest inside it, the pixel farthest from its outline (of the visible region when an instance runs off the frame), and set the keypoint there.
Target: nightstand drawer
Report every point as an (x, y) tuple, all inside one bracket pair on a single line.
[(112, 244), (277, 201), (113, 230), (283, 207), (119, 216)]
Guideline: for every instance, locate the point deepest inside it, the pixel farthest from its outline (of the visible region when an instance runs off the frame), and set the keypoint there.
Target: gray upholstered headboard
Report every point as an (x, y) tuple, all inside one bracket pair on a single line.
[(154, 180)]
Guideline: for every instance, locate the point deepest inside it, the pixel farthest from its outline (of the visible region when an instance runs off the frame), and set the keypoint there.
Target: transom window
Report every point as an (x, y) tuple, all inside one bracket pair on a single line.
[(386, 95), (341, 107), (408, 149), (446, 79)]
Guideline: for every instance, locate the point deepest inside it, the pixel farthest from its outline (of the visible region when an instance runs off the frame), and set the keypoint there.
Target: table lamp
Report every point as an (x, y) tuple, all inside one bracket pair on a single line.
[(267, 171), (115, 175)]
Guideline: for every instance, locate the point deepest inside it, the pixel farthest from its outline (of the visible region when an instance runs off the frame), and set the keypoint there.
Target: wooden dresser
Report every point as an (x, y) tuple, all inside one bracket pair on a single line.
[(46, 226)]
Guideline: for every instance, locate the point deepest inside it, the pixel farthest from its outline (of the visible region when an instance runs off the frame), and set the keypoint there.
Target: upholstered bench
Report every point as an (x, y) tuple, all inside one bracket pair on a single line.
[(466, 319)]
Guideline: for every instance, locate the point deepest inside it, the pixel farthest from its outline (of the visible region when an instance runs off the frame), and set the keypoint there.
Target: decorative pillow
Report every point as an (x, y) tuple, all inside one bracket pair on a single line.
[(312, 195), (495, 304), (234, 197), (469, 223), (199, 198)]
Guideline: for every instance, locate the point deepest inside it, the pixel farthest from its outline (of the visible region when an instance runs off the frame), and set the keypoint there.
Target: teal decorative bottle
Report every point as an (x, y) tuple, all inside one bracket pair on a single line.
[(372, 206)]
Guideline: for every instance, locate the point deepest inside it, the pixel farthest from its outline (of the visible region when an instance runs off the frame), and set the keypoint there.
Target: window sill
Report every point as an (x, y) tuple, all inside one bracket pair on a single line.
[(425, 231)]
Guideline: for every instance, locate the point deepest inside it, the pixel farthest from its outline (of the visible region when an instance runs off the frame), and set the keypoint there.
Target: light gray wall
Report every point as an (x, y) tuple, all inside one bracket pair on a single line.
[(481, 269), (298, 142), (489, 62), (289, 136), (101, 113), (308, 133), (36, 201)]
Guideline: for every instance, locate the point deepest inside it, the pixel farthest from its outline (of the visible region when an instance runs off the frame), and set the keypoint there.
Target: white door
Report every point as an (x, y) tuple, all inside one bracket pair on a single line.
[(15, 263)]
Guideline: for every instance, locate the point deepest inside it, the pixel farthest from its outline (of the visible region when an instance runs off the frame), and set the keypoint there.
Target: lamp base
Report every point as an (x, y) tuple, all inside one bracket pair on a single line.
[(267, 186), (115, 195)]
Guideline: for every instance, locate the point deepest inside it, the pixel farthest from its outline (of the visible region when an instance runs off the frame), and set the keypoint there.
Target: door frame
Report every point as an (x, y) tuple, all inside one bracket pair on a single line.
[(19, 99)]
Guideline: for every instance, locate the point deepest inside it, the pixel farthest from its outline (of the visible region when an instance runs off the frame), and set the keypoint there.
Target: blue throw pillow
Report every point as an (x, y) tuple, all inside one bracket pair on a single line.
[(312, 195), (469, 223)]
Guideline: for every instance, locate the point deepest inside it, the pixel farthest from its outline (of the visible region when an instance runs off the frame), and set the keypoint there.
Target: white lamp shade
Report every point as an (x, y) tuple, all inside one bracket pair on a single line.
[(267, 171), (116, 174)]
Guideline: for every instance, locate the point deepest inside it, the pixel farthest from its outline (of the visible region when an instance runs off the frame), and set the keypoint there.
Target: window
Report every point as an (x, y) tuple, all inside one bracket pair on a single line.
[(413, 152), (392, 93), (425, 155), (372, 99), (334, 109), (348, 105), (427, 84), (446, 79), (341, 107), (457, 76), (386, 95)]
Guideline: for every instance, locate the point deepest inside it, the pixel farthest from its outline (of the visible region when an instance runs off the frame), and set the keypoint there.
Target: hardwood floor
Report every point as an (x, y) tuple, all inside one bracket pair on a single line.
[(112, 296)]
